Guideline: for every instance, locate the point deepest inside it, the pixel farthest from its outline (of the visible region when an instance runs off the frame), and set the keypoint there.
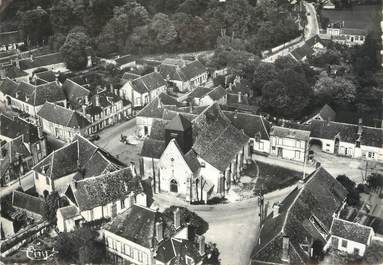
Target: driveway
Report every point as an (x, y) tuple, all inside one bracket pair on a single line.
[(232, 226), (110, 141)]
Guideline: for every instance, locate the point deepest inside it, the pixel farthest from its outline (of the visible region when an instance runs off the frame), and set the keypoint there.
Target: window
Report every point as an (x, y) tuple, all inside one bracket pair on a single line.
[(122, 203), (280, 141), (47, 181), (202, 164), (109, 242), (344, 243), (297, 143), (334, 242), (297, 154), (371, 155), (36, 176), (127, 250), (38, 146), (357, 144), (328, 145), (356, 252), (140, 256)]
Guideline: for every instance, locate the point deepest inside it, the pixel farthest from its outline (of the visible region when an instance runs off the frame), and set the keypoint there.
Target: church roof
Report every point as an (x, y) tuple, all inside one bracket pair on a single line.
[(178, 123)]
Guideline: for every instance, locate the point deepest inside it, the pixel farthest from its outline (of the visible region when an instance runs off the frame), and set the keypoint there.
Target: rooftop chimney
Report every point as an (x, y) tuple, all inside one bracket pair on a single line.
[(360, 126), (285, 249), (83, 109), (275, 210), (57, 75), (201, 245), (235, 114), (191, 106), (177, 218), (159, 232)]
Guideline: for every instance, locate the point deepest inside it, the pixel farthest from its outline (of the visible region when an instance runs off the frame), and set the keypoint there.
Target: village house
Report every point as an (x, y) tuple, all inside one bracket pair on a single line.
[(345, 35), (182, 74), (31, 205), (349, 237), (121, 62), (32, 136), (10, 40), (350, 140), (311, 47), (203, 96), (256, 127), (15, 160), (62, 123), (29, 98), (289, 143), (76, 94), (326, 113), (53, 62), (144, 89), (100, 197), (105, 109), (14, 73), (297, 229), (77, 160), (154, 111), (151, 238)]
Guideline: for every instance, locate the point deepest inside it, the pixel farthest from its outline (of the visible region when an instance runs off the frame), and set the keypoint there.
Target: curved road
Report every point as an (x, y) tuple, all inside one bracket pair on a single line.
[(312, 27)]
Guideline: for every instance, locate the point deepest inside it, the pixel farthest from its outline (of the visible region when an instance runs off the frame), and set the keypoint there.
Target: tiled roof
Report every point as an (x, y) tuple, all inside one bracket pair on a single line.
[(152, 148), (137, 224), (352, 31), (284, 132), (41, 61), (34, 95), (174, 251), (217, 93), (328, 130), (73, 91), (124, 59), (62, 116), (8, 86), (148, 82), (100, 190), (303, 215), (217, 141), (156, 107), (68, 212), (372, 136), (27, 202), (172, 72), (327, 113), (48, 76), (302, 52), (250, 123), (10, 37), (158, 130), (14, 72), (351, 231), (178, 123), (199, 92), (13, 127), (80, 156), (192, 161), (193, 69)]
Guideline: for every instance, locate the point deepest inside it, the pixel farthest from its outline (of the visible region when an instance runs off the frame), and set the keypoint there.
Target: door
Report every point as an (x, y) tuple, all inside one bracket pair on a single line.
[(280, 151), (336, 146), (173, 185)]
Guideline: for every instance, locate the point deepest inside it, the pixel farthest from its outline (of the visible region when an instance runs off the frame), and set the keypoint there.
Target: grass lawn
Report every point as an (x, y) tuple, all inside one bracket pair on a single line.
[(272, 177)]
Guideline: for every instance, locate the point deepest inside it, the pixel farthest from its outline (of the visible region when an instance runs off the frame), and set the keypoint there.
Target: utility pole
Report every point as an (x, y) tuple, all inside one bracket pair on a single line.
[(261, 201)]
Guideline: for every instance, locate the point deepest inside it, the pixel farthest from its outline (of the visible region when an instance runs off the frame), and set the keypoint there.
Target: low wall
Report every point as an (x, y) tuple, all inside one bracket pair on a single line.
[(281, 47)]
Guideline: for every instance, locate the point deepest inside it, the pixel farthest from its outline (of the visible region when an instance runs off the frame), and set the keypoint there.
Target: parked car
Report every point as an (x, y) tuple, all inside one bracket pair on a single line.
[(93, 137)]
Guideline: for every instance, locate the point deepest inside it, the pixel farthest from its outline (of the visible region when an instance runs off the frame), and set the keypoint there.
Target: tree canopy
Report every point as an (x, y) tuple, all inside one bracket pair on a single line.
[(74, 50)]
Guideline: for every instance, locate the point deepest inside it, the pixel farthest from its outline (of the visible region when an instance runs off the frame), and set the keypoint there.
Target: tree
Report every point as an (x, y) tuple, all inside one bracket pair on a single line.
[(338, 90), (375, 182), (35, 26), (79, 246), (52, 202), (164, 29), (263, 73), (61, 16), (74, 51), (274, 97), (353, 196), (56, 41)]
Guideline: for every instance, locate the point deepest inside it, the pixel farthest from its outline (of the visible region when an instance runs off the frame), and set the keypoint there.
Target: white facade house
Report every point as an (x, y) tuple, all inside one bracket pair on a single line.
[(288, 143), (144, 89), (349, 237)]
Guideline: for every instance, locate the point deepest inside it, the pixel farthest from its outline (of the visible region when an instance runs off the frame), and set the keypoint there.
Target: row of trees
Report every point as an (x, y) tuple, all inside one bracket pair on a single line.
[(141, 26)]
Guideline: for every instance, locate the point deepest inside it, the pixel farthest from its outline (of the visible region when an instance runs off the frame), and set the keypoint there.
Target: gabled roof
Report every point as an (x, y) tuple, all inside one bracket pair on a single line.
[(330, 129), (193, 69), (351, 231), (217, 93), (304, 215), (41, 61), (199, 92), (27, 202), (300, 53), (101, 190), (13, 127), (137, 224), (9, 153), (8, 85), (62, 116), (175, 250), (327, 113), (148, 82), (172, 72), (152, 148), (217, 141), (284, 132), (81, 157), (178, 123), (34, 95), (73, 91), (47, 76), (68, 212), (251, 124), (156, 107)]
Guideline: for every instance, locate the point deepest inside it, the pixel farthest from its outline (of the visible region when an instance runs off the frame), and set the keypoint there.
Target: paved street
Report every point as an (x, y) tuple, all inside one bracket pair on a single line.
[(110, 141), (233, 226), (312, 27)]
